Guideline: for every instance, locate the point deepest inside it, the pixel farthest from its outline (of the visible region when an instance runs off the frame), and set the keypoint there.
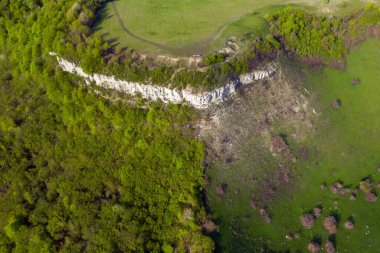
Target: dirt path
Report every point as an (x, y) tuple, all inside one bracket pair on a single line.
[(198, 48), (127, 31)]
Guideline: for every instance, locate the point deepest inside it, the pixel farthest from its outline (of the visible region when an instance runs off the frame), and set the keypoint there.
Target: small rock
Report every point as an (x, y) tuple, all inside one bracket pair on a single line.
[(253, 204), (289, 237), (220, 190), (349, 225), (370, 197), (365, 185), (330, 247), (313, 247), (265, 216), (355, 81), (336, 187), (317, 212), (336, 104)]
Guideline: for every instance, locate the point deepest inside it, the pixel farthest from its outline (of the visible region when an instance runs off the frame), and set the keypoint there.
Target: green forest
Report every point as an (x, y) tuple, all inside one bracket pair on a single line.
[(82, 173)]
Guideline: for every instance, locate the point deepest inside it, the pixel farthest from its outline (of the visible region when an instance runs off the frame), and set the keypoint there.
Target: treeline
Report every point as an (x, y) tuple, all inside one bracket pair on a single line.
[(66, 28), (310, 38), (79, 173), (318, 39), (307, 37)]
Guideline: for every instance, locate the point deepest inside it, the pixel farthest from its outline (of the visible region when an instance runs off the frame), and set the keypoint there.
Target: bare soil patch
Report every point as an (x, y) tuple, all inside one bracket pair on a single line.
[(263, 117)]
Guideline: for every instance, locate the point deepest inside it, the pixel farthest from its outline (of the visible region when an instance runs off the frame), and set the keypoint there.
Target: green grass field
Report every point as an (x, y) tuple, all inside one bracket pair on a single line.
[(345, 147), (196, 26)]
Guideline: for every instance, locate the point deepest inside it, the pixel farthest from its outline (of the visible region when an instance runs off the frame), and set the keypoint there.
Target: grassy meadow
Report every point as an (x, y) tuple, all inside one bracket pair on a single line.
[(196, 27), (345, 147)]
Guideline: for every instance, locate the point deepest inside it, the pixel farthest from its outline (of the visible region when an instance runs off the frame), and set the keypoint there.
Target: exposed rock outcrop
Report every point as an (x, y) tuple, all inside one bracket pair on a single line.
[(155, 92)]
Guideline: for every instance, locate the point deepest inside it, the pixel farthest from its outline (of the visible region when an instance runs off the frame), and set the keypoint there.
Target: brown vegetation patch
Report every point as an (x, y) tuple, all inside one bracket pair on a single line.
[(370, 197), (317, 211), (229, 160), (253, 139), (344, 191), (365, 185), (376, 31), (303, 152), (330, 247), (265, 215), (355, 81), (336, 187), (307, 220), (282, 176), (349, 225), (220, 190), (253, 204), (209, 226), (278, 144), (330, 224), (336, 104), (268, 191), (314, 247)]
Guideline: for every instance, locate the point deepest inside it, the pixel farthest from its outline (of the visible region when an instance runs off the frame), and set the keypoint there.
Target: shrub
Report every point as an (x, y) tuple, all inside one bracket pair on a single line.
[(307, 220), (330, 224), (214, 58), (307, 36)]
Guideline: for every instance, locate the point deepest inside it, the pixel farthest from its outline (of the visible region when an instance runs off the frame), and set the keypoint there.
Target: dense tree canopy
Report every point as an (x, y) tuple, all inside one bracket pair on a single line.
[(308, 35), (79, 172), (320, 39)]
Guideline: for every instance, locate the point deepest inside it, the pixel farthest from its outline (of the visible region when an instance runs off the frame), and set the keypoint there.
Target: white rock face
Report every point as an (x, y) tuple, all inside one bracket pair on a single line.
[(155, 92)]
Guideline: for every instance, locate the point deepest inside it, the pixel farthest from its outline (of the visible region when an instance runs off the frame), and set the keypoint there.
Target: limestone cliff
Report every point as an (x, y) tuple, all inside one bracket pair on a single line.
[(155, 92)]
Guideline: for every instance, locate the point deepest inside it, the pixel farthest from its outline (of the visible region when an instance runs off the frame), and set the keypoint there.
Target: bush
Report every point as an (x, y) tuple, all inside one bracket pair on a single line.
[(307, 36), (214, 58)]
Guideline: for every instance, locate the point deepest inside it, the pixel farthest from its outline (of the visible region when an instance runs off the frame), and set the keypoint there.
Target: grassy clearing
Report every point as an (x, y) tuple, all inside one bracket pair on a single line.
[(247, 26), (194, 26), (346, 147)]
